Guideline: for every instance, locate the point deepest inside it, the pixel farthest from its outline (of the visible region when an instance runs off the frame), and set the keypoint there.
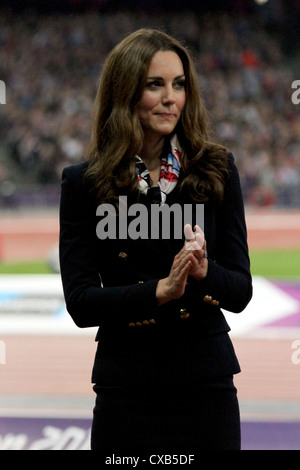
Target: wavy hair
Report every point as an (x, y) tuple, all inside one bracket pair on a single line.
[(117, 135)]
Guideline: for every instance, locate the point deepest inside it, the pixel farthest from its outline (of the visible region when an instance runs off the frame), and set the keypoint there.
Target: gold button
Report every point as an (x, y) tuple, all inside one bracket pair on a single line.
[(152, 320), (184, 314), (123, 255), (215, 302), (207, 298), (131, 324), (145, 322), (138, 323), (141, 282)]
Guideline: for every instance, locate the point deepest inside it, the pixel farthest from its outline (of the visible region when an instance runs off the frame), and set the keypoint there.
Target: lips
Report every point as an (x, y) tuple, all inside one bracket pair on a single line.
[(166, 115)]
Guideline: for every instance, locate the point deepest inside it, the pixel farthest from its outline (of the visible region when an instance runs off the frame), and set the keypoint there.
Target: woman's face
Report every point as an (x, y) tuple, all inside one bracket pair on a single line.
[(164, 95)]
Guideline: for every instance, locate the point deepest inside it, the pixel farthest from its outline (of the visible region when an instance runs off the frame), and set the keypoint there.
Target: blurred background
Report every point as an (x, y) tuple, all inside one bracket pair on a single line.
[(247, 55)]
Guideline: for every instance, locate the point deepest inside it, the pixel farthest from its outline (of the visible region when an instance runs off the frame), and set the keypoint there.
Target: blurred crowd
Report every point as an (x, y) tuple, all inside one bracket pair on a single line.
[(51, 67)]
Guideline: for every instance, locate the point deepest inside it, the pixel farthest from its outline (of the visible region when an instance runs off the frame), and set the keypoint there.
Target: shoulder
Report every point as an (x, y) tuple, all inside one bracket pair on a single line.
[(232, 167), (76, 191), (74, 183), (231, 160), (232, 187), (75, 173)]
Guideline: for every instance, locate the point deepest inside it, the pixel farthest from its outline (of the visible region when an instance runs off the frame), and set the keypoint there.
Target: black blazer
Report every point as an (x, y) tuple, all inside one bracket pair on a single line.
[(111, 283)]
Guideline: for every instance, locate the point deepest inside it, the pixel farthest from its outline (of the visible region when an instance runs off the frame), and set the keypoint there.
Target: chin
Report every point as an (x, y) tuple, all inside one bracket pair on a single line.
[(166, 130)]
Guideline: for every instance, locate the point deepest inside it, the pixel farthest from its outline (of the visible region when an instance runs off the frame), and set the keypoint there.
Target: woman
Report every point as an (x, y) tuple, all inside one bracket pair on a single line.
[(164, 365)]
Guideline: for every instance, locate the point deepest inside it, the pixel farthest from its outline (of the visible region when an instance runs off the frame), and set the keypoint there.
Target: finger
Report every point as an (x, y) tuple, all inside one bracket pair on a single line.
[(195, 244), (179, 257), (195, 261), (184, 273), (198, 229), (189, 237), (204, 248), (188, 232), (193, 240), (179, 275), (181, 261), (180, 272), (200, 238)]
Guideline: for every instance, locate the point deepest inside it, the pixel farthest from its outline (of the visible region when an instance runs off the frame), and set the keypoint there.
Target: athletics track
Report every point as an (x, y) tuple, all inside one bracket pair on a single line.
[(45, 392)]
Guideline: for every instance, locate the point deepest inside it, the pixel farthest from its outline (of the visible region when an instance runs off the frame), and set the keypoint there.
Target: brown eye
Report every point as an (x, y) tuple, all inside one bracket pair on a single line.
[(179, 85), (153, 85)]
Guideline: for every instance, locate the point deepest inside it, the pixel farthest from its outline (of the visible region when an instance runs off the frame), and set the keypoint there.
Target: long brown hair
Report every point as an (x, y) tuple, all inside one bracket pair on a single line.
[(117, 134)]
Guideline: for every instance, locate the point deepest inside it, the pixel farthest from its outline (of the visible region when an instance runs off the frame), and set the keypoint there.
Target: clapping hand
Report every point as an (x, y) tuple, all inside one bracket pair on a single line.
[(190, 261)]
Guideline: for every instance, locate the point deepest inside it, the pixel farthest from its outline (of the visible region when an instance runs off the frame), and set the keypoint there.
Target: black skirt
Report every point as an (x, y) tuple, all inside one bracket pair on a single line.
[(186, 420)]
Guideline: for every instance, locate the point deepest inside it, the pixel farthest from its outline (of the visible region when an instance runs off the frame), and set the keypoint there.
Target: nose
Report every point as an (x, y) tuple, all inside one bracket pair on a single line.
[(168, 95)]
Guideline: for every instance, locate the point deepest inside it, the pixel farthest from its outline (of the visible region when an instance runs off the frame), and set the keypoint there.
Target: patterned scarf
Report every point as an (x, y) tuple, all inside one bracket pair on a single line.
[(169, 173)]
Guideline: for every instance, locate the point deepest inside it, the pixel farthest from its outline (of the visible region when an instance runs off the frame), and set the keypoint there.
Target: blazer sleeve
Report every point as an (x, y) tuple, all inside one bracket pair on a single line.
[(88, 302), (228, 283)]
